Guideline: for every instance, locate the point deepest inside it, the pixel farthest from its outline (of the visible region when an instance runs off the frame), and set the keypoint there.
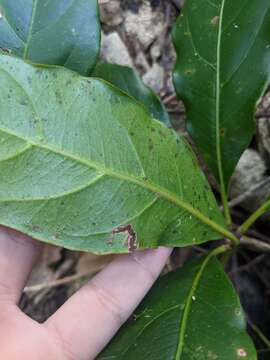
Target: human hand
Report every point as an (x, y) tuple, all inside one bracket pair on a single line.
[(83, 326)]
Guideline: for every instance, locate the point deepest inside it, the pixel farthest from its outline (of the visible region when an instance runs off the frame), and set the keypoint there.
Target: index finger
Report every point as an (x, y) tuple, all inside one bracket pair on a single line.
[(91, 317)]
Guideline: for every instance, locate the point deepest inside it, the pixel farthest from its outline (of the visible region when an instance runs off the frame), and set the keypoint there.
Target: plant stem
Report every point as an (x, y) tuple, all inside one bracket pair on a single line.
[(255, 244), (226, 258), (233, 239), (217, 251), (253, 218), (223, 191), (225, 203), (63, 281)]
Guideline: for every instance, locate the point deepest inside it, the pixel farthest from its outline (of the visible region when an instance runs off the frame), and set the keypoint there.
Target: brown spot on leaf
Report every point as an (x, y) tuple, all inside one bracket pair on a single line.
[(131, 236), (35, 228), (56, 236), (151, 145), (241, 353), (222, 131), (5, 50), (215, 20), (162, 134), (190, 71), (110, 241)]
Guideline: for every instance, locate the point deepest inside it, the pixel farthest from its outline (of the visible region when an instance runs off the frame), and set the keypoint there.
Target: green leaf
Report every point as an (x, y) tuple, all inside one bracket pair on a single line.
[(84, 166), (190, 314), (129, 81), (63, 32), (223, 66)]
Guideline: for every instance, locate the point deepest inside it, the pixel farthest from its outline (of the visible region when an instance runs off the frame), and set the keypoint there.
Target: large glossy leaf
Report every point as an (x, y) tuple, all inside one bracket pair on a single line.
[(129, 81), (83, 165), (223, 66), (57, 32), (191, 314)]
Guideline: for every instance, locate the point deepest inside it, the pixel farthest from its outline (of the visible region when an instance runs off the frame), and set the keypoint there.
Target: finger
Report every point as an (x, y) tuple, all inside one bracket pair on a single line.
[(90, 318), (18, 254)]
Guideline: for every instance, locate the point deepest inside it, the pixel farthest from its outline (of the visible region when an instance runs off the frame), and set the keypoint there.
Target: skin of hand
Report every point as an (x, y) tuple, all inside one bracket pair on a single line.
[(85, 324)]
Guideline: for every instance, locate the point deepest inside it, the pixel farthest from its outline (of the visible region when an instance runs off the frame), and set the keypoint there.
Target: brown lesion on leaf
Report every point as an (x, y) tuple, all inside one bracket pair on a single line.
[(56, 236), (241, 353), (35, 228), (215, 20), (131, 236), (110, 241), (222, 131), (190, 72), (5, 50)]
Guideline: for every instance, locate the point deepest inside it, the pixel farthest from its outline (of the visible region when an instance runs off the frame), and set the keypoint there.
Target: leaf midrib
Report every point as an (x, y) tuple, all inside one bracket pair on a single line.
[(223, 190), (130, 178), (29, 36), (190, 300)]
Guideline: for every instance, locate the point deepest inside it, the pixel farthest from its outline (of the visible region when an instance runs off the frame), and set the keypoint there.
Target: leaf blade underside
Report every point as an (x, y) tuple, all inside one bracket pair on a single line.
[(129, 81), (84, 166)]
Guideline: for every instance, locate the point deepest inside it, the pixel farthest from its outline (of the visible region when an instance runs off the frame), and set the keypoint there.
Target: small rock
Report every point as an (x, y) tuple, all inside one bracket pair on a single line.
[(155, 51), (141, 62), (179, 3), (111, 12), (147, 25), (264, 139), (250, 171), (131, 5), (114, 50), (263, 128), (154, 78)]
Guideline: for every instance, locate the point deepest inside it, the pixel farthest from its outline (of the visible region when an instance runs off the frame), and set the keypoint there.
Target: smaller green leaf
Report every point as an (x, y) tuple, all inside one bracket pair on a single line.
[(222, 69), (129, 81), (63, 32), (190, 314)]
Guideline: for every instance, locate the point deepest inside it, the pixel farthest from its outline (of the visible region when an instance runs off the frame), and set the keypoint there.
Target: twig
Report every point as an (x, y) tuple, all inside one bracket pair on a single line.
[(55, 283), (61, 271), (176, 111), (168, 99), (258, 235), (255, 244), (260, 115), (239, 199), (247, 267), (260, 334), (263, 351)]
